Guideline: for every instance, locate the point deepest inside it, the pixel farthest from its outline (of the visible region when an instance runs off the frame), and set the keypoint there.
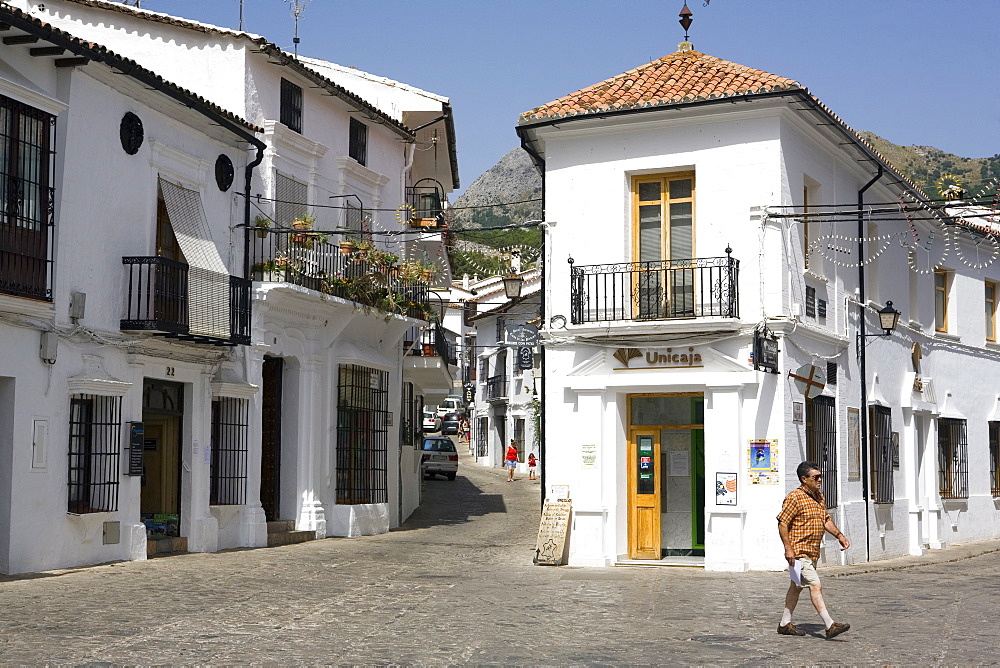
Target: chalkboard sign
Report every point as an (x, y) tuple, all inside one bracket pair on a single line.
[(525, 358), (136, 443), (552, 532)]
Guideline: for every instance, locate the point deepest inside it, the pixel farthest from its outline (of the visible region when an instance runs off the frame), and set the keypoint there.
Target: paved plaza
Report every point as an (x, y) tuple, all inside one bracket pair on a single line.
[(455, 585)]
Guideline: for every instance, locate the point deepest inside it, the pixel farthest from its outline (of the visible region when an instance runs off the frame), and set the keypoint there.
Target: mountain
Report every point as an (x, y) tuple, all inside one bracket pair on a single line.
[(928, 166)]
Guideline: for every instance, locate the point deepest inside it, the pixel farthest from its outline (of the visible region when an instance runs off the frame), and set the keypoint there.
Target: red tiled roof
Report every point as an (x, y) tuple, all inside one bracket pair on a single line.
[(683, 76)]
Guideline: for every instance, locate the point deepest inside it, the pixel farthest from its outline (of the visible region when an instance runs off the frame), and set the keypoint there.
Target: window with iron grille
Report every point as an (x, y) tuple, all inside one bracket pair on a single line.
[(291, 105), (358, 145), (292, 199), (953, 459), (230, 422), (362, 435), (484, 368), (95, 429), (354, 218), (821, 442), (831, 373), (411, 419), (501, 329), (27, 196), (995, 458), (482, 436), (880, 437)]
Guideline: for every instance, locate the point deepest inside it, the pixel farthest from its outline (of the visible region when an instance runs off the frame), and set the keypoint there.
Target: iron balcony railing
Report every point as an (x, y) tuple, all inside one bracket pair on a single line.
[(431, 340), (496, 388), (157, 301), (661, 290), (312, 260)]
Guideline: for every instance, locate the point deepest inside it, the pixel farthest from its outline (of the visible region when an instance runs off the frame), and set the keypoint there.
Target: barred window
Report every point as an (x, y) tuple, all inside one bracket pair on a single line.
[(501, 329), (230, 421), (354, 219), (953, 459), (821, 442), (362, 435), (291, 105), (358, 144), (95, 429), (411, 416), (995, 458), (482, 436), (27, 196), (484, 368), (880, 437), (292, 199)]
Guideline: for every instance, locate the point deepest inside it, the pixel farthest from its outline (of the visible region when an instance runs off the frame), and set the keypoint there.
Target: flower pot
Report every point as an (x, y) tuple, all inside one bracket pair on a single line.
[(428, 349), (346, 247), (261, 232)]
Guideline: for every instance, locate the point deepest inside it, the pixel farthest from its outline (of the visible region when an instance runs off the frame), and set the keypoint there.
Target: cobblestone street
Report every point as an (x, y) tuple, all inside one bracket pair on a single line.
[(456, 585)]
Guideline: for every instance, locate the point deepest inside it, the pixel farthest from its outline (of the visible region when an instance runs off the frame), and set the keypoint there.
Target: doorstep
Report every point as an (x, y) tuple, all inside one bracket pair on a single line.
[(675, 561), (157, 547)]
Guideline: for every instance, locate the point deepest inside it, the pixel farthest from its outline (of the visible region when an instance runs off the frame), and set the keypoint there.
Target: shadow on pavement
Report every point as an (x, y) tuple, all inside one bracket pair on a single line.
[(452, 502)]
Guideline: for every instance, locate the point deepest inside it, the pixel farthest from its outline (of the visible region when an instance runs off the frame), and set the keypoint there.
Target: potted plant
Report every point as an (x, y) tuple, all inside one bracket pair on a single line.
[(261, 226), (346, 246)]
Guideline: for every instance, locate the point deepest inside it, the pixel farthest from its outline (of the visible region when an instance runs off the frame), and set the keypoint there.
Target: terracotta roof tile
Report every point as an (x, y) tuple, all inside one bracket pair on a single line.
[(683, 76)]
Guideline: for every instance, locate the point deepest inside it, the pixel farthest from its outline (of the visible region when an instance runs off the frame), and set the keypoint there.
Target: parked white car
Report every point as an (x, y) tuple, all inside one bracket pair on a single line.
[(432, 421), (451, 405), (439, 456)]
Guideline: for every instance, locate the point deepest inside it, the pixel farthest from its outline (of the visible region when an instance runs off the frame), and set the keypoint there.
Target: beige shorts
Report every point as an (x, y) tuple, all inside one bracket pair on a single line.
[(809, 574)]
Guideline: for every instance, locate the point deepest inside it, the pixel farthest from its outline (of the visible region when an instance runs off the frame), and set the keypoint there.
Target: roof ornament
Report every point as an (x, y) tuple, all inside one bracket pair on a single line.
[(685, 22)]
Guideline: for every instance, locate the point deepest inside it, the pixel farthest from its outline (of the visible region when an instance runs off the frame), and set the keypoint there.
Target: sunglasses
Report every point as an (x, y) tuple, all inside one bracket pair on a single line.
[(818, 476)]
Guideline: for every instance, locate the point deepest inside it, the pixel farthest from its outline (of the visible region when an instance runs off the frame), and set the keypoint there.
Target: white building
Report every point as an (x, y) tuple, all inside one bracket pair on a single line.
[(671, 444), (325, 421), (105, 166), (507, 406)]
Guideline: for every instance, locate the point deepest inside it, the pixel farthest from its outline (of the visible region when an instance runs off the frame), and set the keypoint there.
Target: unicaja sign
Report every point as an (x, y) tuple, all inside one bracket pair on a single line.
[(671, 358)]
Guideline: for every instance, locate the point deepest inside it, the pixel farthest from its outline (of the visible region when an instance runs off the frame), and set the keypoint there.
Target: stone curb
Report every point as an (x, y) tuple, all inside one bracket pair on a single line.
[(935, 558)]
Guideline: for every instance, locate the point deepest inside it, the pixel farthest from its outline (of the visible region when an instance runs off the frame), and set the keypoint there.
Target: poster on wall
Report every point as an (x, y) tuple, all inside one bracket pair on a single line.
[(725, 489), (763, 462)]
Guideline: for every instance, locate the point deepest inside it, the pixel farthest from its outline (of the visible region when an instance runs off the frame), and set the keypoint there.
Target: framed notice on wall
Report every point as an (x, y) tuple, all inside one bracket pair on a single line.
[(853, 444), (725, 489)]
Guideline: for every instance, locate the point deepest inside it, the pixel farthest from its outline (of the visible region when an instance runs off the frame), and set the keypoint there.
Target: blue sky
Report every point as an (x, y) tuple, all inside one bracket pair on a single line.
[(913, 71)]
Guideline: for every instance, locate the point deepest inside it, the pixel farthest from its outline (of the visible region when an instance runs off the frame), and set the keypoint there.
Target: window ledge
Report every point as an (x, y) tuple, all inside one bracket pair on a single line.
[(812, 275), (948, 337)]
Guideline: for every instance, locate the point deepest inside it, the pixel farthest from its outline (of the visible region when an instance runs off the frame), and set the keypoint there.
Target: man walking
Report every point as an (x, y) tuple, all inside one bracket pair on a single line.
[(801, 525)]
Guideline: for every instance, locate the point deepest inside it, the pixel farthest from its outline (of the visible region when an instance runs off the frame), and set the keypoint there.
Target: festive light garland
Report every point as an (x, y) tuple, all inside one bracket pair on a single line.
[(528, 254)]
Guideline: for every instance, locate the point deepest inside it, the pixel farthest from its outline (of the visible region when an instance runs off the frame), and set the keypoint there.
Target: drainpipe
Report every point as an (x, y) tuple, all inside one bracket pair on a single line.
[(539, 162), (248, 178), (861, 361)]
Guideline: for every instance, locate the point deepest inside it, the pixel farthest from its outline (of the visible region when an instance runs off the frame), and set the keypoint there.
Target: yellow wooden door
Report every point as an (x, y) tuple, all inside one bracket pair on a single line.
[(161, 461), (644, 494)]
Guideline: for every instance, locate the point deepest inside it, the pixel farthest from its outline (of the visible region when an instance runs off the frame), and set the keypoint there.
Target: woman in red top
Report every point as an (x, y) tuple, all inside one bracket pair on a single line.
[(510, 460)]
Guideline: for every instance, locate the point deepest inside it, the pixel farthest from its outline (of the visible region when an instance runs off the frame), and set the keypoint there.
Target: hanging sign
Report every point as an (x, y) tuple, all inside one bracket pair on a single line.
[(765, 352), (809, 379), (522, 334), (525, 358)]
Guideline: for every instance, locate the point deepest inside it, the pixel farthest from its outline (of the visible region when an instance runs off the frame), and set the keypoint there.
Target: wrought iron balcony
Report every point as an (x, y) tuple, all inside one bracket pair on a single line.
[(368, 277), (666, 289), (432, 341), (496, 388), (158, 300), (425, 202)]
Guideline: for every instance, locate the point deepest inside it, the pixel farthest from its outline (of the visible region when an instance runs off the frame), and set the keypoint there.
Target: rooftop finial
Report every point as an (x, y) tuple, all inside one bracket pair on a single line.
[(685, 22)]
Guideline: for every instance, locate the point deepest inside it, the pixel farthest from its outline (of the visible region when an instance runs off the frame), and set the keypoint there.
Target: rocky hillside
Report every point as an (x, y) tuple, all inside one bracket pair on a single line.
[(928, 167)]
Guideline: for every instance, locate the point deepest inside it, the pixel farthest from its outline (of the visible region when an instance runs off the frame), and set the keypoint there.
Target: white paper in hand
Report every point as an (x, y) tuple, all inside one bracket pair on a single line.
[(795, 573)]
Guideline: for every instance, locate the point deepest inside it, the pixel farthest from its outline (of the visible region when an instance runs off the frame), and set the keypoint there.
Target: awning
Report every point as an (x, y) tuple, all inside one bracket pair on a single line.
[(208, 277)]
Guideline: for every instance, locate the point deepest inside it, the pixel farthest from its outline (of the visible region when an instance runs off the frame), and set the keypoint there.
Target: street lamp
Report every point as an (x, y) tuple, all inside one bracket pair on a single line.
[(888, 317), (512, 284)]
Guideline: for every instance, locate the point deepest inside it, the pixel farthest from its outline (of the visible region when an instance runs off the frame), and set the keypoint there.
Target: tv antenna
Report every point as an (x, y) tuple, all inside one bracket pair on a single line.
[(298, 6)]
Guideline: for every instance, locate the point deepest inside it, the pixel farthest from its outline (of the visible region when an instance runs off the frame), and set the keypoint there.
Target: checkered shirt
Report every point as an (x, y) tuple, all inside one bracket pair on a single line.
[(805, 518)]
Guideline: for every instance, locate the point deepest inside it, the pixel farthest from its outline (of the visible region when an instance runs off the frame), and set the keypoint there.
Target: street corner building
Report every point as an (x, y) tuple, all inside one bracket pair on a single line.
[(205, 330), (724, 248)]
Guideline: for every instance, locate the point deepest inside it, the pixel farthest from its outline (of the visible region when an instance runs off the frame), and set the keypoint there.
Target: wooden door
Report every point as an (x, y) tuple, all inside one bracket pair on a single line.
[(161, 464), (270, 465), (644, 494)]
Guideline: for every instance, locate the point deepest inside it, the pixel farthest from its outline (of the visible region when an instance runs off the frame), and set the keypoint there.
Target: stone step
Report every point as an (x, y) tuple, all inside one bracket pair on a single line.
[(156, 547), (289, 537), (280, 526)]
